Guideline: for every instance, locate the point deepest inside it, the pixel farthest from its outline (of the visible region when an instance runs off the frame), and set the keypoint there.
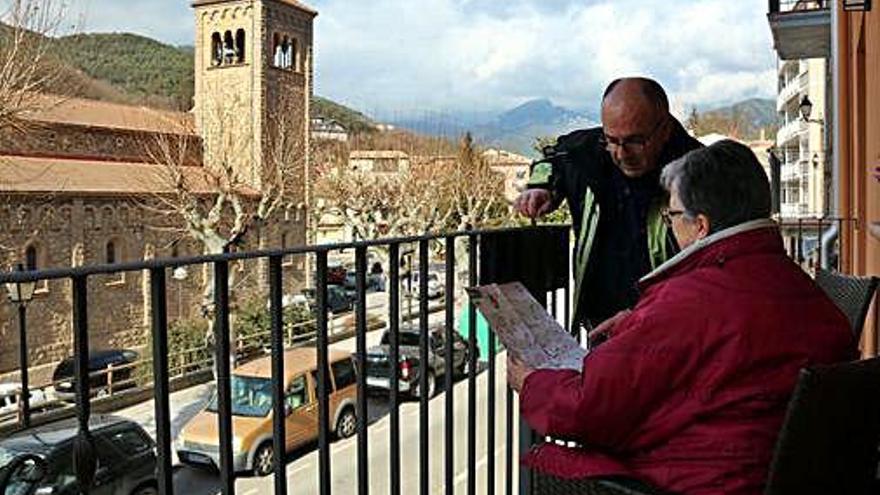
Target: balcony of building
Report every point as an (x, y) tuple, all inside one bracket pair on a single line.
[(470, 436), (801, 28), (792, 130), (792, 90)]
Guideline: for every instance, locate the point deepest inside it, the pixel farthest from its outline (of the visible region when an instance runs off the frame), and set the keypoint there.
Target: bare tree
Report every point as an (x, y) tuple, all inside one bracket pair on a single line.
[(27, 28), (232, 193)]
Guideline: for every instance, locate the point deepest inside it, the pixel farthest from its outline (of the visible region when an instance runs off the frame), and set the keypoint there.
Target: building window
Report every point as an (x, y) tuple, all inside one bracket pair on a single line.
[(110, 251), (228, 48), (239, 46), (216, 50), (30, 258), (283, 51), (33, 260), (113, 253)]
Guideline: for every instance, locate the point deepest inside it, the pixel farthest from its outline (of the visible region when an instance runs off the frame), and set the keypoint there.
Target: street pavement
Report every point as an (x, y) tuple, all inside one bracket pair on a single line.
[(302, 469)]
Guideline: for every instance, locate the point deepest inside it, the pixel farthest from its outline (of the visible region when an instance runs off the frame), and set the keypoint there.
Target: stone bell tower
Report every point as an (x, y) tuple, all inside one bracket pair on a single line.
[(253, 86)]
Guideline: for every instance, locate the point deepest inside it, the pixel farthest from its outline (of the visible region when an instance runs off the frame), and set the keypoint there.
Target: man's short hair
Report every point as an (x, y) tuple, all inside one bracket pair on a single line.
[(651, 89), (723, 181)]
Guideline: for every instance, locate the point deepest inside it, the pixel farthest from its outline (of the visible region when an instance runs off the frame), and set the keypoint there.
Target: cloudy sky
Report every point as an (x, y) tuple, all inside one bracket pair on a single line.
[(397, 58)]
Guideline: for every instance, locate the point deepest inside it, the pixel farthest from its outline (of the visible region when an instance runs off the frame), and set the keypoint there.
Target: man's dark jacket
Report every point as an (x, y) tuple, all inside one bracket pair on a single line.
[(620, 235)]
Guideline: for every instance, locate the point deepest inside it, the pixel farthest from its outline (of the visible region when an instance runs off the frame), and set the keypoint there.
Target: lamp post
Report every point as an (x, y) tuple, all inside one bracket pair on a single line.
[(806, 109), (180, 275), (20, 294)]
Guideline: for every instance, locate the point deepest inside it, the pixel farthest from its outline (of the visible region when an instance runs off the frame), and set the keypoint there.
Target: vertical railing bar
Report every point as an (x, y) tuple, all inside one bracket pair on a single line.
[(279, 414), (566, 308), (361, 358), (472, 377), (449, 378), (819, 245), (323, 382), (84, 458), (553, 309), (508, 439), (394, 360), (222, 360), (161, 389), (424, 367), (490, 418), (800, 241)]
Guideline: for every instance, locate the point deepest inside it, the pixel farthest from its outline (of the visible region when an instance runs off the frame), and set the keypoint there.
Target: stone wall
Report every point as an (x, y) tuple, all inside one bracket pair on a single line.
[(76, 231), (84, 142)]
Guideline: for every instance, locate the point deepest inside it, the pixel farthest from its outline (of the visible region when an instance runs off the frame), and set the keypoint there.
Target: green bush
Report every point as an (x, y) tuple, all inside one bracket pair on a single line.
[(253, 324)]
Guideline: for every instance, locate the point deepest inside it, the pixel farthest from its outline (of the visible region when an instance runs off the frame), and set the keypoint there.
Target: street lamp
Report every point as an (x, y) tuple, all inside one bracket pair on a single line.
[(806, 109), (180, 275), (21, 293)]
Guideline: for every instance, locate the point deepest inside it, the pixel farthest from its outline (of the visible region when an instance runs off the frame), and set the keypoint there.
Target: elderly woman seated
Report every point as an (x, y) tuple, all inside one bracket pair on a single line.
[(689, 391)]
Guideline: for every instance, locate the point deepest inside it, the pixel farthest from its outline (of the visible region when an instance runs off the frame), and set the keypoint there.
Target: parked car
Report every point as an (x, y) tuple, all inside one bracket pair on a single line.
[(379, 367), (125, 453), (436, 288), (251, 386), (375, 281), (99, 379), (10, 397), (339, 300)]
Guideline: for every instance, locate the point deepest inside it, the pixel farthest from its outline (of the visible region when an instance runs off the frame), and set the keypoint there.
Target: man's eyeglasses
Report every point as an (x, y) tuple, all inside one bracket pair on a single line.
[(668, 215), (632, 144)]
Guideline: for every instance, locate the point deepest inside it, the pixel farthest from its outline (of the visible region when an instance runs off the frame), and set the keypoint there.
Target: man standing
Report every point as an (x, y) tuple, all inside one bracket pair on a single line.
[(609, 176)]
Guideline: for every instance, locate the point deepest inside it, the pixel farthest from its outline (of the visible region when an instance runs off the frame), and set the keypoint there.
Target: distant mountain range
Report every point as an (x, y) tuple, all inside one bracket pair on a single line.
[(518, 129)]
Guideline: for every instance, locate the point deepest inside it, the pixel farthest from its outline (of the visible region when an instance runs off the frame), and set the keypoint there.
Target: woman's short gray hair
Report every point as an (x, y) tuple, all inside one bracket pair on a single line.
[(723, 181)]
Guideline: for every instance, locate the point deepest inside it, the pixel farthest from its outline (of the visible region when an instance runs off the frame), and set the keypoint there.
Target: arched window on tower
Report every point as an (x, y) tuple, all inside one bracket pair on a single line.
[(276, 50), (228, 48), (216, 49), (239, 46), (294, 55), (286, 51)]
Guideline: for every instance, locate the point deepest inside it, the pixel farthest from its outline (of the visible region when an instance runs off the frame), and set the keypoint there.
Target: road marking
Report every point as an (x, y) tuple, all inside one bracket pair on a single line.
[(251, 491), (304, 467), (463, 475)]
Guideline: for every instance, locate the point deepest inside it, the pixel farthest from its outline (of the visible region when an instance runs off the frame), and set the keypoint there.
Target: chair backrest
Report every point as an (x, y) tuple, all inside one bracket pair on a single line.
[(851, 294), (831, 435)]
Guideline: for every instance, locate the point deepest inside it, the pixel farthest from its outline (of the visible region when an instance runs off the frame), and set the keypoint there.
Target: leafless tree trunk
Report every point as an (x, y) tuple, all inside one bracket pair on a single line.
[(218, 203), (27, 28)]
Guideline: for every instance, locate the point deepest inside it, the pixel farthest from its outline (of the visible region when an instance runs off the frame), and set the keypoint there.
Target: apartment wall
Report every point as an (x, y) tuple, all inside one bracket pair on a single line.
[(858, 94)]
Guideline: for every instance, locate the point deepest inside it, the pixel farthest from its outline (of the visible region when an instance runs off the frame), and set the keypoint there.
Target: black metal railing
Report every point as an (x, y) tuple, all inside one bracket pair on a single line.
[(816, 242), (537, 256), (783, 6)]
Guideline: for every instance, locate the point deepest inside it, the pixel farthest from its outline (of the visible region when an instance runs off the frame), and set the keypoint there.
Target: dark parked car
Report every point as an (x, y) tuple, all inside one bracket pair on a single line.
[(339, 300), (99, 381), (126, 457), (375, 281), (379, 367)]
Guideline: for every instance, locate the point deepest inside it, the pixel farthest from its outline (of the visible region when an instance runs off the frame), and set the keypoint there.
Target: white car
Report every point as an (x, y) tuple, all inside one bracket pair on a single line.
[(9, 395), (436, 288)]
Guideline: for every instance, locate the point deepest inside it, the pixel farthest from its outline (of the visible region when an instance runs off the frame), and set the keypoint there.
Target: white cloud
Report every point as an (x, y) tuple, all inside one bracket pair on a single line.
[(399, 57)]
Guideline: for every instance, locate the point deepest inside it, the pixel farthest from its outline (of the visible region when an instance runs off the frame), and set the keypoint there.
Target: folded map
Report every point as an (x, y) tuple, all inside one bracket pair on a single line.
[(525, 328)]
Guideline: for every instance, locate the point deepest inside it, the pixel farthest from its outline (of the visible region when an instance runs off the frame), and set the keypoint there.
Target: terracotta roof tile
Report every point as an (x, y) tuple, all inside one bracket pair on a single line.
[(40, 175), (78, 111)]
